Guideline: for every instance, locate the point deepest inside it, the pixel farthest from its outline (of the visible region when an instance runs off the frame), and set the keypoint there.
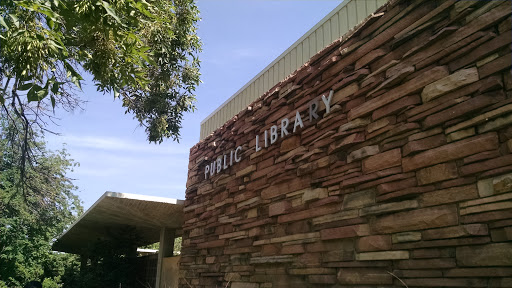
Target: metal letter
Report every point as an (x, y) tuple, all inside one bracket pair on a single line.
[(298, 121), (313, 106), (258, 148), (284, 126), (206, 170), (273, 134), (219, 165), (238, 159), (327, 102), (212, 168), (266, 138), (225, 166)]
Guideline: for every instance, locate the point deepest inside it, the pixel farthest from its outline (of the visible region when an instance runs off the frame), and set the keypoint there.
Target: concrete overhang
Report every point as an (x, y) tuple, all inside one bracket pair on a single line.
[(114, 213)]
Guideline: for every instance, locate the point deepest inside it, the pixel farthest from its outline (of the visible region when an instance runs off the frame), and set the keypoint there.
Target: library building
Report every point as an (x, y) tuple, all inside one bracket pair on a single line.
[(376, 151)]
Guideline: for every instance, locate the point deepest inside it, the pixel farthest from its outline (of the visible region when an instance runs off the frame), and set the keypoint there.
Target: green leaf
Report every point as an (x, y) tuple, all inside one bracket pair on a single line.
[(25, 86), (116, 93), (15, 20), (2, 22), (111, 11), (53, 103), (55, 88), (36, 93)]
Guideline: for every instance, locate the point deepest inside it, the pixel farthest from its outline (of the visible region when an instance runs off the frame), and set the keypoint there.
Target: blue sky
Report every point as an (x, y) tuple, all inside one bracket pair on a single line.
[(240, 38)]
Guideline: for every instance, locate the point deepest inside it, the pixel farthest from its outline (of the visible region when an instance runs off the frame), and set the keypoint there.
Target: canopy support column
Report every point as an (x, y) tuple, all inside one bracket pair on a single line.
[(166, 249)]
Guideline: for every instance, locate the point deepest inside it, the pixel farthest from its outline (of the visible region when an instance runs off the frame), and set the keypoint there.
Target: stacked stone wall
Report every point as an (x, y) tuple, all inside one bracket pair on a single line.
[(405, 176)]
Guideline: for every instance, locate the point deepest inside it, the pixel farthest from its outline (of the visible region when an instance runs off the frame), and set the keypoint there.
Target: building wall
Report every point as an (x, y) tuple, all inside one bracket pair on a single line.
[(347, 15), (406, 178)]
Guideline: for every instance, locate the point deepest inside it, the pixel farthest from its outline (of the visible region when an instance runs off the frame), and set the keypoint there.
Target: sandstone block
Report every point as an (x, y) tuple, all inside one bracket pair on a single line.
[(355, 276), (406, 237), (449, 195), (363, 153), (398, 92), (495, 124), (427, 263), (461, 134), (356, 123), (424, 144), (322, 279), (374, 243), (456, 231), (381, 123), (389, 207), (383, 160), (279, 208), (384, 255), (345, 232), (449, 83), (314, 194), (247, 170), (359, 199), (290, 143), (436, 173), (338, 216), (439, 216), (452, 151), (307, 271), (493, 254)]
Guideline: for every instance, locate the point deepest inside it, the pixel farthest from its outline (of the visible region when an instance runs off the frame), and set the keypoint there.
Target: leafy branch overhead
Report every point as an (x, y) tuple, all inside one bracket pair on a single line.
[(144, 52)]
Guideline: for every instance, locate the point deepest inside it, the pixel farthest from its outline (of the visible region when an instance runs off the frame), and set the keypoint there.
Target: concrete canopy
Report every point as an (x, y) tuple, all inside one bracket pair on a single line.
[(109, 217)]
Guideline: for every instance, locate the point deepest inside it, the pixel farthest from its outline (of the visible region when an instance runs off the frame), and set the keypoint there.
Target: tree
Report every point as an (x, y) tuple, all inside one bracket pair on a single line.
[(141, 51), (33, 215)]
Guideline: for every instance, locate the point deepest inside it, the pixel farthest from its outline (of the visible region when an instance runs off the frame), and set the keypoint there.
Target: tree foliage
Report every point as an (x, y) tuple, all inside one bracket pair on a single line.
[(143, 51), (31, 216)]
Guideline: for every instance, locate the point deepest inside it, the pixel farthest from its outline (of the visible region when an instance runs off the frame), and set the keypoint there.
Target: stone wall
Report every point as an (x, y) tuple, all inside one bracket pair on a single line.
[(404, 175)]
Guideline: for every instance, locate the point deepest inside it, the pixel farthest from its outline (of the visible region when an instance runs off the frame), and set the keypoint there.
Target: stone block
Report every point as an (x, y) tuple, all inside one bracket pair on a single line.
[(308, 271), (495, 124), (389, 207), (363, 153), (247, 170), (338, 216), (439, 216), (406, 237), (314, 194), (437, 173), (289, 143), (456, 231), (482, 118), (279, 208), (398, 92), (449, 195), (427, 263), (493, 254), (501, 234), (383, 255), (359, 199), (356, 123), (452, 151), (322, 279), (449, 83), (373, 243), (361, 276), (424, 144), (383, 160), (381, 123), (344, 93), (345, 232), (433, 253), (396, 185), (461, 134)]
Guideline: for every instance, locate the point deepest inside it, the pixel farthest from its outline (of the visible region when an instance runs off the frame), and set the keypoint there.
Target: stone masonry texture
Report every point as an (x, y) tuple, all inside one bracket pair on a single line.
[(406, 179)]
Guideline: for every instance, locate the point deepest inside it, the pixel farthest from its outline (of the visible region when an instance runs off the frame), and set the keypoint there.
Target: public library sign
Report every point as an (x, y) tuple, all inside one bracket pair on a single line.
[(269, 136)]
